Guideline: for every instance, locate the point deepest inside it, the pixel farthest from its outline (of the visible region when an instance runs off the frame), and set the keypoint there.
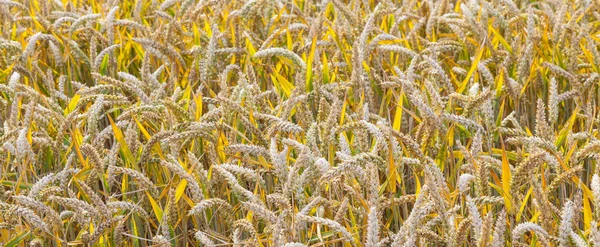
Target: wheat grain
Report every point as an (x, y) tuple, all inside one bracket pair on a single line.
[(281, 52), (413, 124), (174, 167)]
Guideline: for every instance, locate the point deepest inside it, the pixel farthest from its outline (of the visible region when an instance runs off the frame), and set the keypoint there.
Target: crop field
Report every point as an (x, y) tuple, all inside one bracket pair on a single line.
[(294, 123)]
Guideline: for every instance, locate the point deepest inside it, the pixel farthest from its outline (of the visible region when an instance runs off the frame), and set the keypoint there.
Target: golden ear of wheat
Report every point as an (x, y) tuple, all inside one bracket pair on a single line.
[(299, 123)]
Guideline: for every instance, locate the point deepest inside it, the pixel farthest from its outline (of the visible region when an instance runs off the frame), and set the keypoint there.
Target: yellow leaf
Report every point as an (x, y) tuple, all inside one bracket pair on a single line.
[(196, 34), (198, 100), (207, 28), (221, 144), (500, 83), (418, 182), (264, 162), (277, 84), (343, 115), (76, 137), (250, 47), (121, 139), (309, 63), (32, 12), (326, 78), (158, 212), (285, 85), (142, 129), (473, 67), (587, 212), (392, 169), (341, 46), (398, 114), (524, 203), (589, 56), (180, 189), (288, 39), (366, 67), (564, 132), (186, 94), (500, 38), (232, 30), (72, 104), (13, 33), (506, 177)]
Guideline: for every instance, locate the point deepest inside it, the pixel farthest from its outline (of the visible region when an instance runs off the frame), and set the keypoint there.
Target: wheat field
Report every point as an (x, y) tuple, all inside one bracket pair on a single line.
[(299, 123)]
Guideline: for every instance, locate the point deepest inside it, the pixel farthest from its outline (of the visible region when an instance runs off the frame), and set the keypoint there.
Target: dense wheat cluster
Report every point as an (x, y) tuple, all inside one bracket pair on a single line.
[(299, 123)]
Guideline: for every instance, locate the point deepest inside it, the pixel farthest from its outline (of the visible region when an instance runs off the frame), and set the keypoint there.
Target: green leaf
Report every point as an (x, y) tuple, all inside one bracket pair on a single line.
[(17, 239)]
